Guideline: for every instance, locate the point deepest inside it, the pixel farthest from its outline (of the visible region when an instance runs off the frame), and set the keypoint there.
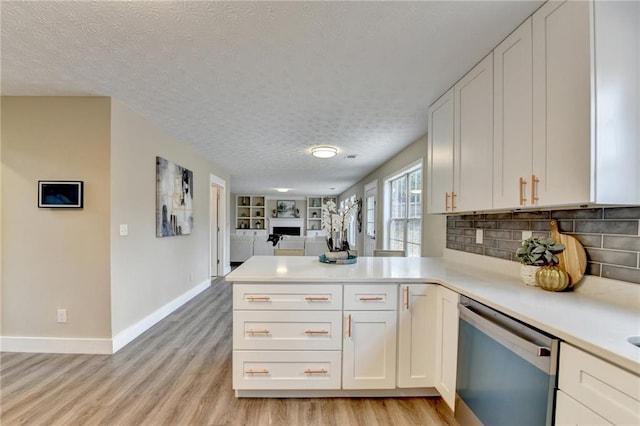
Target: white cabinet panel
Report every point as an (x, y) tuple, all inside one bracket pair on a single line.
[(287, 296), (446, 344), (473, 138), (416, 335), (286, 370), (302, 330), (513, 138), (570, 412), (369, 350), (561, 103), (440, 154), (608, 390), (370, 297)]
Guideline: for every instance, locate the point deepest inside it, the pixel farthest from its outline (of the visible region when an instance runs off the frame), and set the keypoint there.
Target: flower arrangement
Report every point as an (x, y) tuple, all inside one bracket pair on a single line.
[(335, 222)]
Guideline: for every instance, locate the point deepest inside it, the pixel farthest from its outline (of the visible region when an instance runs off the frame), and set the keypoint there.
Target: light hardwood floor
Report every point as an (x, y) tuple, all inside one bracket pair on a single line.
[(177, 373)]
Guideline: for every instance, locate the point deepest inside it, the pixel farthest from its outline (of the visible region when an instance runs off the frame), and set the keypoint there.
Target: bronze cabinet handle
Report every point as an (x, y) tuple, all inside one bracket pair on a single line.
[(534, 182), (523, 183)]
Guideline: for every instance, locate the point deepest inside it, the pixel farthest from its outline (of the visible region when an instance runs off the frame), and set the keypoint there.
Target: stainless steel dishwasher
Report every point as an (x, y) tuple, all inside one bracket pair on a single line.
[(506, 369)]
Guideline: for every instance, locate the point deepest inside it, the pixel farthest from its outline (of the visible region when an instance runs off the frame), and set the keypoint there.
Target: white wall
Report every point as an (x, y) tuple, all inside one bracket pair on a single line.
[(55, 258), (433, 226), (148, 272)]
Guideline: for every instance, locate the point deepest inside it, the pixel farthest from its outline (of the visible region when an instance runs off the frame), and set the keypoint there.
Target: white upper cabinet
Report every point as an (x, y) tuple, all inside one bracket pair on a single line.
[(473, 138), (513, 137), (440, 155), (586, 86), (561, 104)]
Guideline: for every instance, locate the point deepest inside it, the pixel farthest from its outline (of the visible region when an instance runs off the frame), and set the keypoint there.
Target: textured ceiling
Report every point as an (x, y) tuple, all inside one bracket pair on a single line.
[(253, 85)]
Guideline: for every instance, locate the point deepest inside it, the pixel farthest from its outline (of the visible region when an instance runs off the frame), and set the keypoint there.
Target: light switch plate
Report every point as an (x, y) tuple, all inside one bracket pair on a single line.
[(526, 235), (479, 236), (124, 230)]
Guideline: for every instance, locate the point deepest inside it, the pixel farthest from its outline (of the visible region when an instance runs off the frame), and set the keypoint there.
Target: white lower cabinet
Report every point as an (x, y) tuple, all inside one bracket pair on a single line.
[(446, 363), (593, 391), (369, 350), (416, 335), (264, 370), (369, 345)]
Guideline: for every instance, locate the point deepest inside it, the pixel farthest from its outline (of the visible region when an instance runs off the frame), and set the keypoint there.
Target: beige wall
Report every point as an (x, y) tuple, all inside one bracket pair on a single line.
[(55, 258), (148, 272), (433, 226)]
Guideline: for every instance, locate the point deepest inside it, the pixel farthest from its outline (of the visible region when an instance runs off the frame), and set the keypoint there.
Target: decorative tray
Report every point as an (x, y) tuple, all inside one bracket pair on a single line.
[(351, 259)]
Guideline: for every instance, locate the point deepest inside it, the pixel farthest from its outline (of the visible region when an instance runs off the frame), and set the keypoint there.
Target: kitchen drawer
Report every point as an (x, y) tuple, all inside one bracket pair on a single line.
[(301, 330), (371, 297), (570, 412), (286, 370), (297, 296), (608, 390)]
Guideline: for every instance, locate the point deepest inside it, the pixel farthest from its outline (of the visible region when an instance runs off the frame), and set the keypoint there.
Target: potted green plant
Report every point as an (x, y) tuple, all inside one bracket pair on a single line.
[(534, 253)]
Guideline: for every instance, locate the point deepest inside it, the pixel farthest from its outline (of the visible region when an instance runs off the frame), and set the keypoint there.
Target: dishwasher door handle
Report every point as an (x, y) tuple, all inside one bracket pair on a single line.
[(540, 356)]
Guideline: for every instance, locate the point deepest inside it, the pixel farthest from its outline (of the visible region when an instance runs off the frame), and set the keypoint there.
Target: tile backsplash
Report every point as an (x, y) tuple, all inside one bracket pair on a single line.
[(611, 236)]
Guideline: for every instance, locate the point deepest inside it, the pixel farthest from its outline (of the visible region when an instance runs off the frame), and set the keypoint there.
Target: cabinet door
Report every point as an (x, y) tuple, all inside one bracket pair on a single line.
[(369, 350), (570, 412), (446, 344), (440, 154), (561, 103), (513, 138), (473, 138), (416, 335)]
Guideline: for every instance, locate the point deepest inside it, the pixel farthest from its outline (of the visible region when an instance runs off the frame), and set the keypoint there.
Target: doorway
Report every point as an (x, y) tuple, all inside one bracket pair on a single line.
[(370, 194), (217, 203)]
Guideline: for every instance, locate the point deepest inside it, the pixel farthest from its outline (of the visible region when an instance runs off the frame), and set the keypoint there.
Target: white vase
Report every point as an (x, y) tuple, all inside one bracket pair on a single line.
[(528, 274)]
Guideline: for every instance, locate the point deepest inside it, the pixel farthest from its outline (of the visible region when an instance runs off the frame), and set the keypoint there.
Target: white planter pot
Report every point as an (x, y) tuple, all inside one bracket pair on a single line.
[(528, 274)]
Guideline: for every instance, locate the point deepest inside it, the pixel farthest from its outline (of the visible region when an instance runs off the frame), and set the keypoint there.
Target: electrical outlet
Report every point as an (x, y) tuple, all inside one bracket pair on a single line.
[(190, 276), (526, 235), (124, 230), (479, 236), (62, 315)]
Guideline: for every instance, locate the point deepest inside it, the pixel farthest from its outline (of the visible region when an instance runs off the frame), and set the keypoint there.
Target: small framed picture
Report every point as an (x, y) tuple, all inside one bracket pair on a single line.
[(286, 208), (56, 194)]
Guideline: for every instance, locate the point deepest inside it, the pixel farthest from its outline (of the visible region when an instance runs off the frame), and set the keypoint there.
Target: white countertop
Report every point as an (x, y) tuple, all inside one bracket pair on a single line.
[(598, 321)]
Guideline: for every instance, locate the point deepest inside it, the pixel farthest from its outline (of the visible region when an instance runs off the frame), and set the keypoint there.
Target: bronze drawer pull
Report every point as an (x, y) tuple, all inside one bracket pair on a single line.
[(316, 298), (258, 298), (258, 332), (371, 299), (322, 371), (265, 371), (316, 332)]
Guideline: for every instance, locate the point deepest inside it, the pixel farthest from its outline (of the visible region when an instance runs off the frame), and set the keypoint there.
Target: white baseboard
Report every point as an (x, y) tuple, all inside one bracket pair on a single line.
[(55, 345), (126, 336), (63, 345)]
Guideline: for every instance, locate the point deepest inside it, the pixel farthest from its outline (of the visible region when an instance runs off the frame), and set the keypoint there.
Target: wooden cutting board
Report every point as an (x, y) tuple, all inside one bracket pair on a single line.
[(573, 259)]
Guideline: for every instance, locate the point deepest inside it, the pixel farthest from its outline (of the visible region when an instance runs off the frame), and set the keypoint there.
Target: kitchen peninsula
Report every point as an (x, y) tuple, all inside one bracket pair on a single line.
[(389, 322)]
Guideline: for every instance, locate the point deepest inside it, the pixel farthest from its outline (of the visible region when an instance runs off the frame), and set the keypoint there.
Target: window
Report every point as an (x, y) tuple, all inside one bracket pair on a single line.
[(351, 234), (405, 212)]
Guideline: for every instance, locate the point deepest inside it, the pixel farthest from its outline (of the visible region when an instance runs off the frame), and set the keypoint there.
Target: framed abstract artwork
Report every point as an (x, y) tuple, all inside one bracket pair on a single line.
[(174, 199)]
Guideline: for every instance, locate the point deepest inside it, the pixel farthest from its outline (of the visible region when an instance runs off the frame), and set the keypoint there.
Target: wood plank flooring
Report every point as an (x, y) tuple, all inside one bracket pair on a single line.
[(177, 373)]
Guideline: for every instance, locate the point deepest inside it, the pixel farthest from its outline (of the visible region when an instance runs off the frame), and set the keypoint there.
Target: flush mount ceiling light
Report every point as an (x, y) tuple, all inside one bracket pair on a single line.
[(283, 189), (324, 151)]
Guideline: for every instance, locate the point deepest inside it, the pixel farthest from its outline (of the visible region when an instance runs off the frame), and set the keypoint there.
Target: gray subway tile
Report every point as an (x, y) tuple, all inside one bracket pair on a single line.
[(488, 242), (590, 240), (621, 258), (470, 232), (621, 243), (514, 224), (474, 249), (503, 235), (540, 225), (537, 215), (577, 214), (594, 269), (464, 224), (502, 254), (622, 213), (499, 216), (462, 239), (456, 231), (473, 216), (454, 246), (566, 226), (451, 237), (509, 245), (486, 224), (631, 275), (624, 227)]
